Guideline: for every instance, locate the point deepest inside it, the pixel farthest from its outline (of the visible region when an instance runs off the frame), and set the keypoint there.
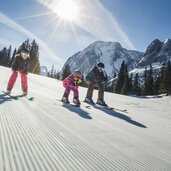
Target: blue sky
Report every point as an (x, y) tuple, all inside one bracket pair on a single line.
[(133, 23)]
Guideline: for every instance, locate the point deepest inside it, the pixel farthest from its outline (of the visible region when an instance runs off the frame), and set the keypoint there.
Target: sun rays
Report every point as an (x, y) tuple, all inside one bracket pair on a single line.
[(67, 10)]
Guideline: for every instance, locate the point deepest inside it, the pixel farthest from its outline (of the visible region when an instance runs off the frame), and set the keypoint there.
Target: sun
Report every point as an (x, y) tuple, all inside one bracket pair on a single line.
[(67, 10)]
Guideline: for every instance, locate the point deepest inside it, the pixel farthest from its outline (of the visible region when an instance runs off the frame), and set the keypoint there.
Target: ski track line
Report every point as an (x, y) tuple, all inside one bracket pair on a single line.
[(24, 145), (43, 155), (17, 152), (138, 139), (81, 155), (157, 156), (74, 133), (28, 151), (84, 140), (127, 161), (51, 134), (60, 143), (127, 167), (139, 146)]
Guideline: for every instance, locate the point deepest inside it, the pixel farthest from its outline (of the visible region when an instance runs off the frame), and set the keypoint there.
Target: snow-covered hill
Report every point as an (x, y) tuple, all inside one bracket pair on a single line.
[(44, 135)]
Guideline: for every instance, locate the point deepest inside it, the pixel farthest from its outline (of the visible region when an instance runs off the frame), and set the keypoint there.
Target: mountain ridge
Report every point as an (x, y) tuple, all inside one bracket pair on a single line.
[(112, 55)]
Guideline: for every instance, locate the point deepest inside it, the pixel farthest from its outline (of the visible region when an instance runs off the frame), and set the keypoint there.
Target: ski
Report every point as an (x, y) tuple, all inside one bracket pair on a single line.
[(104, 107), (16, 97), (71, 104), (27, 97)]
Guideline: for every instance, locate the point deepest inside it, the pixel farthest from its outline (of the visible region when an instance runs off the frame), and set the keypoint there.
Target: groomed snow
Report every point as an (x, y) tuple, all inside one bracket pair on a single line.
[(44, 135)]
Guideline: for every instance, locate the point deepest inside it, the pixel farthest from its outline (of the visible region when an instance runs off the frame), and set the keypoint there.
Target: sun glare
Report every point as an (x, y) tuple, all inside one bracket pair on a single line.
[(67, 10)]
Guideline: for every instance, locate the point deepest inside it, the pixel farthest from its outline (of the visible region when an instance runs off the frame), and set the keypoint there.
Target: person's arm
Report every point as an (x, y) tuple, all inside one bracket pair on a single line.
[(26, 67), (91, 75), (14, 65)]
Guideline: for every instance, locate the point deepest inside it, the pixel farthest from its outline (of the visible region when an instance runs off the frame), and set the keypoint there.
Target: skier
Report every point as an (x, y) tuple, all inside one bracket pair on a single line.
[(71, 83), (20, 65), (97, 77)]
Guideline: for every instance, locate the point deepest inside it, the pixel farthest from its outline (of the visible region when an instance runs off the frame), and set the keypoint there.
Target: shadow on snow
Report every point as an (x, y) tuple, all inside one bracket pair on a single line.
[(82, 113), (4, 98), (121, 116)]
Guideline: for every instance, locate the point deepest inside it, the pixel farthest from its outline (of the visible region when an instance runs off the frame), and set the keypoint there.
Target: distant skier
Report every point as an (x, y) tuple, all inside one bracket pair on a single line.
[(20, 65), (97, 77), (71, 83)]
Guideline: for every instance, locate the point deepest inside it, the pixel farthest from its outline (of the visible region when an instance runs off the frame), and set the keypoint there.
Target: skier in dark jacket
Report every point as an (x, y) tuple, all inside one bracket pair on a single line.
[(96, 77), (20, 65)]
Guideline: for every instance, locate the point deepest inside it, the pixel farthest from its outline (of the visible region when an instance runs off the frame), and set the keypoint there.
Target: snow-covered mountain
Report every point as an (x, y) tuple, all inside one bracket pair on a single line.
[(45, 135), (111, 54), (157, 52)]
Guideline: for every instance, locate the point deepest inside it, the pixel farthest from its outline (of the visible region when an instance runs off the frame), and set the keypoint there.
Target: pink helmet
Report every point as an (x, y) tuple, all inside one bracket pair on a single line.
[(77, 74)]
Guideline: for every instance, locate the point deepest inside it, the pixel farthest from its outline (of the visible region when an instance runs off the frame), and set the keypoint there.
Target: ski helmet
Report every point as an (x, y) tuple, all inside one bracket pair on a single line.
[(25, 53), (25, 50), (100, 65), (77, 73)]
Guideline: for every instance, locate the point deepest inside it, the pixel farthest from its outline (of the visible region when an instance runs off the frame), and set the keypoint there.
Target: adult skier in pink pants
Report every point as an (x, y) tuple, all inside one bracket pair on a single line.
[(71, 83), (20, 65)]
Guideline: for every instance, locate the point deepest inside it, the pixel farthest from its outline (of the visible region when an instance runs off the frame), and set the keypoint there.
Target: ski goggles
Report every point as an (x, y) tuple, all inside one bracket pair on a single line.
[(77, 77), (100, 68), (25, 54)]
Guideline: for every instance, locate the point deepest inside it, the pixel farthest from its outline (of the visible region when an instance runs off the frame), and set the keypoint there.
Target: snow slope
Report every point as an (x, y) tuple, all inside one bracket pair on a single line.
[(43, 135)]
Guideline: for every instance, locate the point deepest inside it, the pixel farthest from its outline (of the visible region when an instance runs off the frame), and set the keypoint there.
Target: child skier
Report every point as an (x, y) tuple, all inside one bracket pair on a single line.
[(97, 77), (20, 65), (71, 83)]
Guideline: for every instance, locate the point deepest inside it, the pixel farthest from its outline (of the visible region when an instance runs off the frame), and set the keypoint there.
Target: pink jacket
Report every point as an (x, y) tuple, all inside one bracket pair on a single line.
[(69, 82)]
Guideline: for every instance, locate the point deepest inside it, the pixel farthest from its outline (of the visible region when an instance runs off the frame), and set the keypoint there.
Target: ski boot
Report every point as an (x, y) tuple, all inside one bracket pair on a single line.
[(25, 93), (76, 101), (101, 103), (8, 92), (65, 100), (89, 100)]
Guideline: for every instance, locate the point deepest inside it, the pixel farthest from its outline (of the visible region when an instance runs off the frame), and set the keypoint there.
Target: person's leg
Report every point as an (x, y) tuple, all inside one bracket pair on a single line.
[(76, 93), (12, 80), (76, 97), (66, 94), (24, 84), (90, 89), (101, 92), (100, 99)]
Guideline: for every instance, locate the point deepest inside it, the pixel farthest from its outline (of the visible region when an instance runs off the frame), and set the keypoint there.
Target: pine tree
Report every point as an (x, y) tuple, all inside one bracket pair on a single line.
[(136, 85), (162, 79), (13, 56), (66, 72), (4, 57), (125, 85), (145, 89), (120, 79), (168, 78), (156, 85), (58, 75), (148, 81), (9, 56), (52, 72), (34, 56)]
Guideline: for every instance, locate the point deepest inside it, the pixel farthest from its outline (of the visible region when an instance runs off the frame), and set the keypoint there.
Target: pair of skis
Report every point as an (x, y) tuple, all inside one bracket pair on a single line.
[(88, 106), (16, 97)]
